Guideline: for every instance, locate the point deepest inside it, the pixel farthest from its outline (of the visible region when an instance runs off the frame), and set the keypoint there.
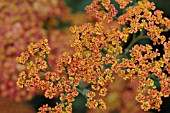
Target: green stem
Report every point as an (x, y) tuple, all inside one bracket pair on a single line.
[(46, 59), (135, 1), (81, 92), (115, 18), (134, 40), (134, 35), (121, 27), (153, 77), (123, 11), (61, 102)]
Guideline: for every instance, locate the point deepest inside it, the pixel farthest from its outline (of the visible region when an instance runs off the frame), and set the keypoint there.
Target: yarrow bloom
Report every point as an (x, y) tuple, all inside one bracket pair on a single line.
[(102, 10), (100, 54)]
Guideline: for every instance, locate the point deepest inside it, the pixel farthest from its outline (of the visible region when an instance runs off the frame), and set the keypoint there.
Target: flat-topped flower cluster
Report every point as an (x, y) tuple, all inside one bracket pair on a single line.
[(100, 54)]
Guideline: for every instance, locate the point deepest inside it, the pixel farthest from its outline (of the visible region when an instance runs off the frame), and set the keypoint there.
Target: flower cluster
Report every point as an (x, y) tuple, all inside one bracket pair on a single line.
[(123, 3), (23, 22), (145, 17), (102, 10), (33, 65), (121, 92), (100, 54), (19, 25), (143, 65)]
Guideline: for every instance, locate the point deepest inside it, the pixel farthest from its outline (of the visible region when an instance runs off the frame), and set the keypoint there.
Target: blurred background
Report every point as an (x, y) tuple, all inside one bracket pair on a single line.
[(25, 21)]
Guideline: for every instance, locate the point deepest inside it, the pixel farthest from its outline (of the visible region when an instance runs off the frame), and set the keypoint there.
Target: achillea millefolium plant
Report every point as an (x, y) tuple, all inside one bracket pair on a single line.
[(102, 52)]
